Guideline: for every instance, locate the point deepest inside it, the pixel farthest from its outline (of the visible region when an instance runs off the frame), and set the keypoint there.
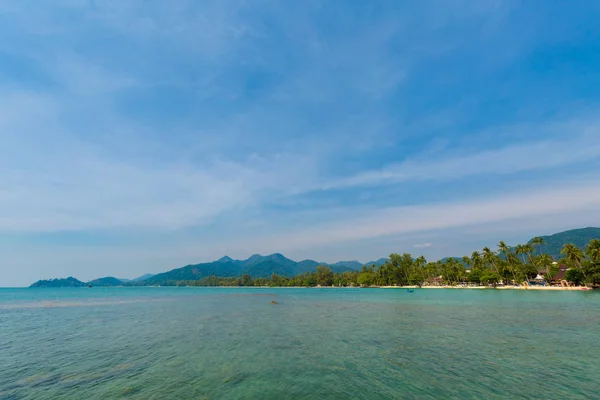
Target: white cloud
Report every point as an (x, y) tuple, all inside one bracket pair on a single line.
[(544, 202), (74, 156), (422, 245), (73, 186), (577, 143)]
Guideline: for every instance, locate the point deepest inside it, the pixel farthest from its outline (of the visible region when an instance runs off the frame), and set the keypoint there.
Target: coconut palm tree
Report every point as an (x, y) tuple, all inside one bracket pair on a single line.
[(573, 254), (592, 250), (467, 261), (543, 262), (503, 248), (419, 264), (490, 257), (539, 242), (521, 250), (528, 248), (476, 260)]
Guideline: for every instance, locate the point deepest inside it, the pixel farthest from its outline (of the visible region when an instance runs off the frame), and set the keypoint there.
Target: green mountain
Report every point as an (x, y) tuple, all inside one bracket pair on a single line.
[(265, 266), (72, 282), (142, 278), (195, 272), (338, 267), (378, 263), (579, 237), (307, 266), (255, 266), (107, 281), (346, 265), (138, 279), (60, 282)]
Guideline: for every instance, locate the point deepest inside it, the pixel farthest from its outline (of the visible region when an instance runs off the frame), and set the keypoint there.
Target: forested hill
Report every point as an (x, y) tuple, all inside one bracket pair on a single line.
[(107, 281), (61, 282), (72, 282), (579, 237), (264, 266), (258, 266), (255, 266)]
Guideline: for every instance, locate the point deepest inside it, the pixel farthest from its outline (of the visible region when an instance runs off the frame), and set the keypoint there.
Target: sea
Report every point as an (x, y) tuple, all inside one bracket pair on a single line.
[(307, 343)]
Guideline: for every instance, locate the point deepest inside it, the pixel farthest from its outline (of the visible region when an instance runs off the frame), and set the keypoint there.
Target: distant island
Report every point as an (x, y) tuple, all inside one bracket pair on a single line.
[(565, 259), (60, 282), (73, 282)]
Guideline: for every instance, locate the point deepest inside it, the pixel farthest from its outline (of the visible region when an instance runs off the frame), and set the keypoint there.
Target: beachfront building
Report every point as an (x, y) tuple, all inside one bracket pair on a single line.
[(560, 275), (435, 281), (539, 279)]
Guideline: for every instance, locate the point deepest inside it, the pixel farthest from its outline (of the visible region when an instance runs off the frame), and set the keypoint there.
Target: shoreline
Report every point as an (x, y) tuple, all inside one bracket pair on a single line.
[(542, 288), (550, 288), (546, 288)]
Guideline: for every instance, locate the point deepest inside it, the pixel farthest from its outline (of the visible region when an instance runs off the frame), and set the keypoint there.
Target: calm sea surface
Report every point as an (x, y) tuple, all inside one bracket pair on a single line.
[(215, 343)]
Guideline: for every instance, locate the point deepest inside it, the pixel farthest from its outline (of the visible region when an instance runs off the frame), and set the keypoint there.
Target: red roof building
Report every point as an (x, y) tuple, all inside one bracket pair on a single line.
[(560, 275)]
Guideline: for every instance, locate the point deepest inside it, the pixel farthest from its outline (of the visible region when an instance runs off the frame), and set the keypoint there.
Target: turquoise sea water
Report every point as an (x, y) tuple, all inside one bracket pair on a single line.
[(216, 343)]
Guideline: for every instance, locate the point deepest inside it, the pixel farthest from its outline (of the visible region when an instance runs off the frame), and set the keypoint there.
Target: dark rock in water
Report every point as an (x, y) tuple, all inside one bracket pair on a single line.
[(46, 381), (235, 379), (273, 302), (128, 391)]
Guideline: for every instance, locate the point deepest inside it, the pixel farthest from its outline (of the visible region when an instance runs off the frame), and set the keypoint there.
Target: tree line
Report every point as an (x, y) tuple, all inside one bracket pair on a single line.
[(508, 265)]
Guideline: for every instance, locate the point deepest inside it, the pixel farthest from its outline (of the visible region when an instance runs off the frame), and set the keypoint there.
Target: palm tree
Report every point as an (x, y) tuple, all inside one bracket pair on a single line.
[(592, 250), (503, 248), (544, 262), (476, 260), (529, 252), (539, 242), (490, 258), (467, 261), (573, 254), (521, 250), (420, 264)]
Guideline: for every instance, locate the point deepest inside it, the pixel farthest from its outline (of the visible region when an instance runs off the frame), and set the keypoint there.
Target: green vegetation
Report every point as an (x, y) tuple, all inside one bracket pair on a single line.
[(508, 265), (553, 244), (502, 264), (72, 282), (108, 281), (256, 266), (65, 282)]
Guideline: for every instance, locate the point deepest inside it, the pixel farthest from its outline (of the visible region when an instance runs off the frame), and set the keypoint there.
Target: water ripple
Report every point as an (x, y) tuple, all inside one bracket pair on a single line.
[(315, 344)]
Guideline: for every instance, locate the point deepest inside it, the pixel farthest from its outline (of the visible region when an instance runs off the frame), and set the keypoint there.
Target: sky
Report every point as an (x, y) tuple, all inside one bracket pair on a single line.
[(139, 136)]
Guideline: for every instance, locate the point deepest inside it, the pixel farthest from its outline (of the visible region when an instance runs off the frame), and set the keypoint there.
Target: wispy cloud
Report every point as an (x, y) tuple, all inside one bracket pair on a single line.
[(577, 143), (271, 127), (65, 184), (365, 224), (422, 245)]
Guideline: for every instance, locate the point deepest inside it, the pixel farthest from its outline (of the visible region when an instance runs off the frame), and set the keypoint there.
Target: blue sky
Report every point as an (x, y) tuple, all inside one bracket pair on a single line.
[(138, 136)]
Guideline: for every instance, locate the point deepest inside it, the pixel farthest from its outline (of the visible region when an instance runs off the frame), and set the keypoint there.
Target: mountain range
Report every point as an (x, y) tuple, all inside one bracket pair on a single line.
[(264, 266), (138, 279), (579, 237), (73, 282), (255, 266)]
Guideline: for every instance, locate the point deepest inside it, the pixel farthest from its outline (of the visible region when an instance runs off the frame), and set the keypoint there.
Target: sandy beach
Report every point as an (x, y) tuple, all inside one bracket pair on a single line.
[(554, 288)]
